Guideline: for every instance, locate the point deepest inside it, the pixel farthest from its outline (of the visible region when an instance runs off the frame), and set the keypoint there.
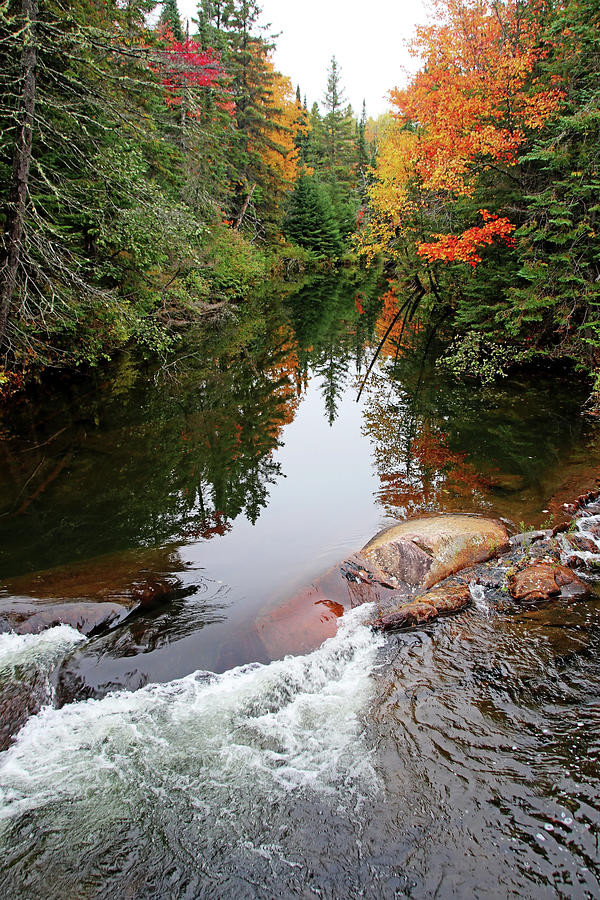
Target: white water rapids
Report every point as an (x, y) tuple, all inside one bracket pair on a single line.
[(457, 760), (38, 651), (200, 763)]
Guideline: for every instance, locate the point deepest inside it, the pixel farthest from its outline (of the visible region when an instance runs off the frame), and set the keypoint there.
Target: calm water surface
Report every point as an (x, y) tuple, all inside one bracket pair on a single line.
[(461, 760)]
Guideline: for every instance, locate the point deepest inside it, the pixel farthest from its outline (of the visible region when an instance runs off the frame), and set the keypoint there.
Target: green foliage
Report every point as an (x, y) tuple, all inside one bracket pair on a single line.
[(322, 211), (476, 356), (311, 220), (150, 192), (169, 18), (234, 265), (557, 294)]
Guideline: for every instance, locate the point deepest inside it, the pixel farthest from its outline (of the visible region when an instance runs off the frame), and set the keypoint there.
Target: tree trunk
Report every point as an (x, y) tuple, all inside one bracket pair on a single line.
[(15, 217), (240, 218)]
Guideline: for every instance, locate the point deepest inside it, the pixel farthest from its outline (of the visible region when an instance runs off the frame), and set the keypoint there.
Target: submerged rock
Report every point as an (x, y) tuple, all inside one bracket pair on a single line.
[(91, 595), (440, 601), (422, 552), (506, 482), (544, 581), (396, 571), (26, 617)]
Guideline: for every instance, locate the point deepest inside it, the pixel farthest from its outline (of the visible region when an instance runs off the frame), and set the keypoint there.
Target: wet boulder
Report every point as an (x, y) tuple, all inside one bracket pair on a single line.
[(311, 616), (581, 543), (545, 581), (527, 538), (90, 596), (442, 600), (422, 552)]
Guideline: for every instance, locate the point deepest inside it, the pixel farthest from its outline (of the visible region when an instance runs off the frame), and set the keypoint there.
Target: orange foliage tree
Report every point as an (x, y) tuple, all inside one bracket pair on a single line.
[(465, 247), (283, 122), (467, 111), (477, 94)]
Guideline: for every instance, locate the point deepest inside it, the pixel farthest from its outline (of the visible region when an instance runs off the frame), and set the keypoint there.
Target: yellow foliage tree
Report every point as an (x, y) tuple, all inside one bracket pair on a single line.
[(285, 119)]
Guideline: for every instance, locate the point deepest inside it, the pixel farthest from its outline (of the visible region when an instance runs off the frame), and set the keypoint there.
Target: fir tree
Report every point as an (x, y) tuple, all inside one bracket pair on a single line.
[(311, 221), (169, 18)]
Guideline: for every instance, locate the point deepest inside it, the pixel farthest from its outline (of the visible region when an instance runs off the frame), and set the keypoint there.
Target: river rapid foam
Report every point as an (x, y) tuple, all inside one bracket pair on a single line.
[(192, 774), (40, 651)]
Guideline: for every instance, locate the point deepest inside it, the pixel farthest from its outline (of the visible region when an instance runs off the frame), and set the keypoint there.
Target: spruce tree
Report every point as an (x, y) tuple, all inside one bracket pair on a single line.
[(169, 18), (311, 221), (362, 151), (558, 294), (338, 126)]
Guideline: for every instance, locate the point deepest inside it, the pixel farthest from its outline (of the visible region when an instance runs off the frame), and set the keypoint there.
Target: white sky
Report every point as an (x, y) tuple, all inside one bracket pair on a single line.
[(368, 40)]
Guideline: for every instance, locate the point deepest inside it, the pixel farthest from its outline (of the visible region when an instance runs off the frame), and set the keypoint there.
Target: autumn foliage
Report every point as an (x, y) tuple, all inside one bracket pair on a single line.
[(465, 247), (284, 122), (468, 111), (477, 94), (184, 64)]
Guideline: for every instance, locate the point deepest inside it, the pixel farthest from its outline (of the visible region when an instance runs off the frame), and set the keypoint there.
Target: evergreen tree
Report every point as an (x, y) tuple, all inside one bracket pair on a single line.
[(315, 152), (232, 26), (338, 126), (169, 18), (310, 220), (362, 151), (302, 137), (80, 165), (558, 291)]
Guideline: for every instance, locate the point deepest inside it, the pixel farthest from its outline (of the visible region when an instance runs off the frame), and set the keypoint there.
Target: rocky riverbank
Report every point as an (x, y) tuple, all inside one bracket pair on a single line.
[(437, 565)]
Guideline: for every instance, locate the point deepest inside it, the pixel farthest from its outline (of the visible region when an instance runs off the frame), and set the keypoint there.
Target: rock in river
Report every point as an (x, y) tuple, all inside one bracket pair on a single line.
[(422, 552), (395, 571), (544, 581), (91, 595), (437, 602)]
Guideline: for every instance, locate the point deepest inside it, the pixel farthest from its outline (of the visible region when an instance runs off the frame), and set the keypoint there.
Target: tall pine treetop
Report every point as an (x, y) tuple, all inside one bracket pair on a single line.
[(169, 18)]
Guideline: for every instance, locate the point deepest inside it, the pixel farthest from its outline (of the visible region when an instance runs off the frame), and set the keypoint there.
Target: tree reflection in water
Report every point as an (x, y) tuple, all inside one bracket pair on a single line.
[(442, 444)]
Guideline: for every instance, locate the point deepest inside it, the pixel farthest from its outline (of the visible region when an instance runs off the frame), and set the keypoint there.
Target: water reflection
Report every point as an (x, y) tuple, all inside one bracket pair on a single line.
[(440, 444), (250, 454), (137, 460), (333, 319)]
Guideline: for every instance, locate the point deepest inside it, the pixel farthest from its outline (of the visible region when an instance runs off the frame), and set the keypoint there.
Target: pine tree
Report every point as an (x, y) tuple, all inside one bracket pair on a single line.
[(311, 221), (169, 19), (232, 27), (302, 137)]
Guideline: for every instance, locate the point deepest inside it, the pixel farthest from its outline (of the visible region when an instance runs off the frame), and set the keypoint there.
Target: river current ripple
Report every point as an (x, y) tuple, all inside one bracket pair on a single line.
[(462, 760)]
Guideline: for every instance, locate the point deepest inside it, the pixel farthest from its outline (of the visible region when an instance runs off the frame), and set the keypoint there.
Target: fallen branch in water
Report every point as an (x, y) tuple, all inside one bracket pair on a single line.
[(64, 462)]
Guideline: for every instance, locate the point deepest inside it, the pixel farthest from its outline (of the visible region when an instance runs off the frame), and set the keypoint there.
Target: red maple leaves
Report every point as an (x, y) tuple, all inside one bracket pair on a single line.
[(464, 247), (184, 65)]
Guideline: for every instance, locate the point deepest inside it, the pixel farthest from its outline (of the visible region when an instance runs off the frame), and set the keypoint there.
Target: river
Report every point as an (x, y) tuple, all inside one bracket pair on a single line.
[(179, 754)]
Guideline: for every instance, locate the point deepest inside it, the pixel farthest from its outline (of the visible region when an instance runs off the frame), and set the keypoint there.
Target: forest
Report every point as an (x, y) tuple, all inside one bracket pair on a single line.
[(299, 449), (485, 194), (154, 174), (150, 176)]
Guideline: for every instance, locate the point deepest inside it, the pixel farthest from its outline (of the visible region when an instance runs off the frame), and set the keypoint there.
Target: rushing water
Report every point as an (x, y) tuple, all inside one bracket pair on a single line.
[(457, 760)]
